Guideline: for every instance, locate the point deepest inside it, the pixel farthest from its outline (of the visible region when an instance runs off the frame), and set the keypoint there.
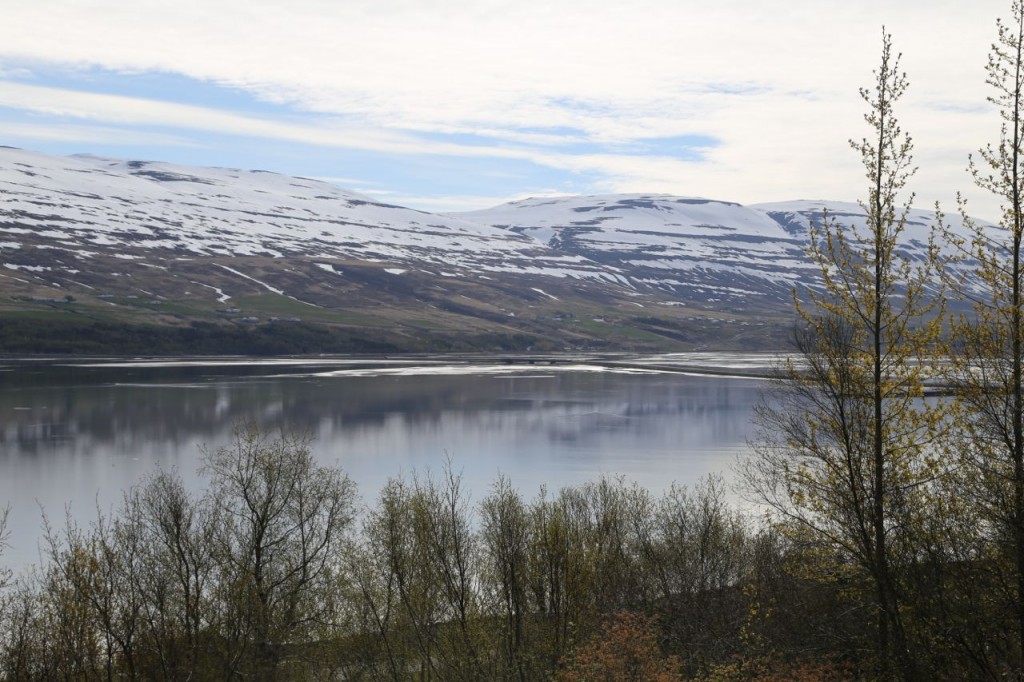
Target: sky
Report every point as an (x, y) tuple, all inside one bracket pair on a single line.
[(448, 105)]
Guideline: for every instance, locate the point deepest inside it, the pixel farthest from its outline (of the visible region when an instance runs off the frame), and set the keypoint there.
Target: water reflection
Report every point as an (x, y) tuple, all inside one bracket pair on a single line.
[(79, 436)]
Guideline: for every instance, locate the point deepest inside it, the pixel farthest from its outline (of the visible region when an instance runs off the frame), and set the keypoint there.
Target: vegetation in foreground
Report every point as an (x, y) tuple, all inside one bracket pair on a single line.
[(276, 573)]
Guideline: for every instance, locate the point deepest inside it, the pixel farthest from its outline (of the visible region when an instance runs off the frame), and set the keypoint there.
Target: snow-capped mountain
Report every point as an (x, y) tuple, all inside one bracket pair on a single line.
[(86, 201), (718, 251), (143, 240)]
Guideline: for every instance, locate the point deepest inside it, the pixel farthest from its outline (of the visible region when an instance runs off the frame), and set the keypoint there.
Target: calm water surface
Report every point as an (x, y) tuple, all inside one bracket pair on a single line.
[(73, 437)]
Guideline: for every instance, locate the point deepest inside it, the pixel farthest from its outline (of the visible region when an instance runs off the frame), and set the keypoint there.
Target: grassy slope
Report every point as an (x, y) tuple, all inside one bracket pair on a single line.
[(195, 307), (133, 326)]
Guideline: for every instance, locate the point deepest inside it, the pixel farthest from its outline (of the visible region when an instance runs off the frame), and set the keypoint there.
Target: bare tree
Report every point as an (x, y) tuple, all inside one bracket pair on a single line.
[(175, 575), (281, 521), (505, 535)]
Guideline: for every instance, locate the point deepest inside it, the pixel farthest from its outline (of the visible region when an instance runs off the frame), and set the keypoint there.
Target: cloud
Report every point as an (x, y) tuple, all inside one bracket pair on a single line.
[(94, 134), (145, 112), (135, 111), (773, 83)]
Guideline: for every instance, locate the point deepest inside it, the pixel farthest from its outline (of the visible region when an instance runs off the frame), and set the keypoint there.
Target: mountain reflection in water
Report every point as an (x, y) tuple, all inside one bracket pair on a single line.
[(74, 437)]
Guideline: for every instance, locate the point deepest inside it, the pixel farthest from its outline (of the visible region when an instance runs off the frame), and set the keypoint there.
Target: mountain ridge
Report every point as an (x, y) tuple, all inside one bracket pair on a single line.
[(128, 242)]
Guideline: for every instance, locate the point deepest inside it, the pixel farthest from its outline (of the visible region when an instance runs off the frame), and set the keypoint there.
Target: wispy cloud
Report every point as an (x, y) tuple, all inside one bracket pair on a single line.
[(95, 134), (615, 96), (133, 111)]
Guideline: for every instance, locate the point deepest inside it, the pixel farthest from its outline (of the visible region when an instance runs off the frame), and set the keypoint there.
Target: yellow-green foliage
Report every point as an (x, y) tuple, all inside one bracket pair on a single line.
[(847, 443)]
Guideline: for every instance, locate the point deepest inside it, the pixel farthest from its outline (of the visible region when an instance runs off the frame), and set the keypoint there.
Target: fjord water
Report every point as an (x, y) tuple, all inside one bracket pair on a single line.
[(75, 435)]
